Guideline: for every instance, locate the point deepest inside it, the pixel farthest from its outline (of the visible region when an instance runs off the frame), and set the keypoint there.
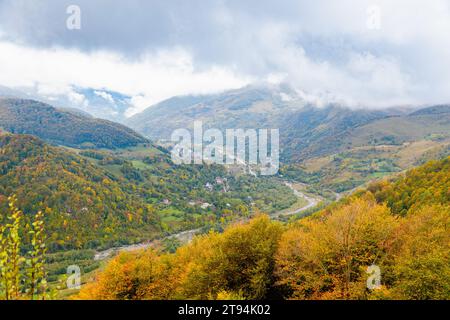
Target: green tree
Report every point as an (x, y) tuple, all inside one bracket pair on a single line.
[(35, 271), (21, 275), (11, 259)]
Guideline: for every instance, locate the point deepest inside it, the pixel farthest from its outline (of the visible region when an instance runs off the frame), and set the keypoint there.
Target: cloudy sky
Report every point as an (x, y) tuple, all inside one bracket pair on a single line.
[(370, 53)]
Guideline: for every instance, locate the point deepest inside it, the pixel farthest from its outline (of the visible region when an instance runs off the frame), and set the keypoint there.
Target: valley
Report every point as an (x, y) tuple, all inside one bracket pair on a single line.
[(305, 202), (107, 190)]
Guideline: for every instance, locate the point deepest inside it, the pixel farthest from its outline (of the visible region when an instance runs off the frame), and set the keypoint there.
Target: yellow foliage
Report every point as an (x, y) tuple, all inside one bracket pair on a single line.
[(326, 257), (422, 260), (237, 263)]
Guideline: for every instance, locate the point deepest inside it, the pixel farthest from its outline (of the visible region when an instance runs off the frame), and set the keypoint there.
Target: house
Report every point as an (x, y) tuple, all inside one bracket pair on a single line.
[(205, 205), (209, 186)]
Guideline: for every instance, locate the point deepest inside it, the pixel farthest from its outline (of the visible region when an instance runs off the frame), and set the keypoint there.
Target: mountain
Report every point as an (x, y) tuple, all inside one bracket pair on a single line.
[(439, 109), (305, 129), (381, 147), (329, 146), (65, 127), (312, 131), (249, 107), (430, 122)]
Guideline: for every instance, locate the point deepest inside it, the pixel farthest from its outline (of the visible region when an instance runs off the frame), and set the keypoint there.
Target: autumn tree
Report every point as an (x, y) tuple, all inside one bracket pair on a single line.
[(131, 276), (238, 263), (326, 256), (422, 260), (11, 259)]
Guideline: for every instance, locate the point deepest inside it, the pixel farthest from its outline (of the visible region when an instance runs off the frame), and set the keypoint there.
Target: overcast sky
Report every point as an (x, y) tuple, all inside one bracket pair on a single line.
[(370, 53)]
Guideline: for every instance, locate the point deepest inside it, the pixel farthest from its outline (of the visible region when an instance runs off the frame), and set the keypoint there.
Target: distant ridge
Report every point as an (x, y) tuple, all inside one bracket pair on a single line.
[(64, 127), (439, 109)]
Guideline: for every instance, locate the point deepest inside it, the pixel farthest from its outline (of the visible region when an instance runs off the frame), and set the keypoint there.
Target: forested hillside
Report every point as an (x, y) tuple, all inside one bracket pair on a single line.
[(187, 196), (423, 186), (379, 148), (84, 206), (324, 256), (63, 127)]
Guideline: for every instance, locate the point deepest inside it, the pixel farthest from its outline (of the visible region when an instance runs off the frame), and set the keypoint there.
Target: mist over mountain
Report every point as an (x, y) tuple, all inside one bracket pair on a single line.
[(248, 107), (307, 128)]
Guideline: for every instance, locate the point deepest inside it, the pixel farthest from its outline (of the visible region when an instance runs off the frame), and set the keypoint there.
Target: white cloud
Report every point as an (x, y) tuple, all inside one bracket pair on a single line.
[(323, 48), (139, 102), (78, 99), (104, 95), (52, 91), (153, 77)]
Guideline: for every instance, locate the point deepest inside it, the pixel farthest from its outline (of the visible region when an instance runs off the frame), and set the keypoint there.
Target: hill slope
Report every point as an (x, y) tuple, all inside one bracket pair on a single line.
[(64, 127), (423, 186), (379, 148), (83, 204)]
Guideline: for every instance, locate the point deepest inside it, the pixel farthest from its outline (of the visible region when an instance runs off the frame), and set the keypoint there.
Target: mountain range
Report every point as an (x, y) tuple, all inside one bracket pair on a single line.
[(307, 130), (326, 145)]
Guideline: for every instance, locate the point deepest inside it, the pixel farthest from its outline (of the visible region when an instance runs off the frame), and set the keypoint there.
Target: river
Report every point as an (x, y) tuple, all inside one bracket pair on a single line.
[(187, 235)]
